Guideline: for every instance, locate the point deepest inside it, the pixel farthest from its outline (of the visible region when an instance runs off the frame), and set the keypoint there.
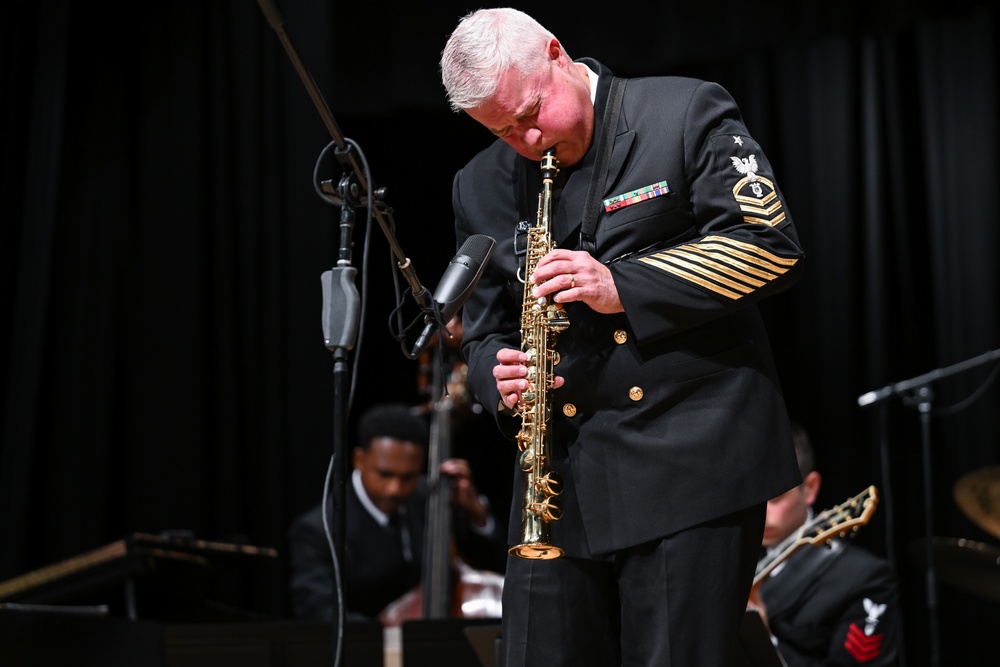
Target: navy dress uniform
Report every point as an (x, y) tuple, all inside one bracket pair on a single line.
[(835, 605), (671, 421)]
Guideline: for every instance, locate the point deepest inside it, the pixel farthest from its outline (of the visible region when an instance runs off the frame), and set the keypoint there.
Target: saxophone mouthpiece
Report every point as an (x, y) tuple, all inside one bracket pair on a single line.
[(550, 165)]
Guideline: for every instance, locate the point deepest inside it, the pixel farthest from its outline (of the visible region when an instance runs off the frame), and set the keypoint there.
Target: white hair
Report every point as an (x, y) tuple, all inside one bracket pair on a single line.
[(484, 46)]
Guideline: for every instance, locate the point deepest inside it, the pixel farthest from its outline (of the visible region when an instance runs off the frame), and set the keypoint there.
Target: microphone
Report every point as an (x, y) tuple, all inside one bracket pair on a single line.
[(463, 272), (874, 396)]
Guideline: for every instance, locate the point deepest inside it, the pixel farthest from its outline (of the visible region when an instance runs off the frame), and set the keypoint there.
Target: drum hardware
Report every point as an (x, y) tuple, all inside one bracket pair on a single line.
[(978, 496), (971, 566)]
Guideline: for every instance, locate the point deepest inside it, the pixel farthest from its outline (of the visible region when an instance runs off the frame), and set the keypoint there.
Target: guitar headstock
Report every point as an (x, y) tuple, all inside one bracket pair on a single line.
[(842, 520)]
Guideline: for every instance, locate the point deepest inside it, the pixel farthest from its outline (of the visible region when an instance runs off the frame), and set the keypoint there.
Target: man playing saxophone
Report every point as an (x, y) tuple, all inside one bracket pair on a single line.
[(666, 419)]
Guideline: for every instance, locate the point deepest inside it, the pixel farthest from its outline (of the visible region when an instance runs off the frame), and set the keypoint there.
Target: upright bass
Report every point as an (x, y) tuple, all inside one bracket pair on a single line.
[(449, 587)]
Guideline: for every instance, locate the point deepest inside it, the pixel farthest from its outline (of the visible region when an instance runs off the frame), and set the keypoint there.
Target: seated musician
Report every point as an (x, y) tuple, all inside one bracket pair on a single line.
[(386, 523), (835, 604)]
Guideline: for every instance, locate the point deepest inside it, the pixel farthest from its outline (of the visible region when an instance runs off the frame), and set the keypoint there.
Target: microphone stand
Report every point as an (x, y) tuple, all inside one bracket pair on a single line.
[(917, 392), (340, 295)]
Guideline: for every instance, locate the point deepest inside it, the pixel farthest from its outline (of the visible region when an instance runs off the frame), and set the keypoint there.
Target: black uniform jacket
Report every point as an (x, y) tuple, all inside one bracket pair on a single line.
[(671, 413), (835, 605), (376, 572)]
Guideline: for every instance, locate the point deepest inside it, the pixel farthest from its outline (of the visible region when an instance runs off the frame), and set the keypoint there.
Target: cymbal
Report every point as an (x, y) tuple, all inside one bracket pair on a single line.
[(971, 566), (978, 496)]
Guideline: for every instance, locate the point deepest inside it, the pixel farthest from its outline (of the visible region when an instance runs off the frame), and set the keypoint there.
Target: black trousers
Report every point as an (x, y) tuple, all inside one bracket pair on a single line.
[(673, 602)]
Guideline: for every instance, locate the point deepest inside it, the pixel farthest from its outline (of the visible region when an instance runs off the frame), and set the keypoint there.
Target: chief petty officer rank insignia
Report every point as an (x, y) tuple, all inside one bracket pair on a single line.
[(723, 265), (755, 194)]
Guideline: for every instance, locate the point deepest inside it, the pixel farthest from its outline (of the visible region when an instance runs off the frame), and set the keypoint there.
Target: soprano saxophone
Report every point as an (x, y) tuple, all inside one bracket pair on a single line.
[(541, 320)]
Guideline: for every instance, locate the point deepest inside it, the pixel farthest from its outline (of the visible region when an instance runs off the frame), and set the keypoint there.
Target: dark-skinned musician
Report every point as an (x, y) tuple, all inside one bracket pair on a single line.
[(386, 517)]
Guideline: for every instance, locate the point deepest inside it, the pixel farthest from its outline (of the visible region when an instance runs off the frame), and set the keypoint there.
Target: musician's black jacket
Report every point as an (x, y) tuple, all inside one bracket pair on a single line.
[(679, 417), (376, 572), (834, 605)]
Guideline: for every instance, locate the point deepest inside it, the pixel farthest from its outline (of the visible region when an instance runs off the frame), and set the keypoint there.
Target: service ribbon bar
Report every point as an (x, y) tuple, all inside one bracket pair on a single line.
[(636, 196)]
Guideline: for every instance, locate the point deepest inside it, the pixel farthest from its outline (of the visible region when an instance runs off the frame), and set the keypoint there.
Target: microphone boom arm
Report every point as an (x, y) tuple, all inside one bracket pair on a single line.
[(348, 160), (877, 395)]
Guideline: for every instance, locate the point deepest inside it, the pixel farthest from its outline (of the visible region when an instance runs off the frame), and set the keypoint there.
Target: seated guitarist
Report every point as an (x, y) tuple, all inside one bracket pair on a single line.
[(835, 604)]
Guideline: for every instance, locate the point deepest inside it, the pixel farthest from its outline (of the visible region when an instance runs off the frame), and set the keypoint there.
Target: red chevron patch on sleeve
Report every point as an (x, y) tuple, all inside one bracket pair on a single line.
[(862, 647)]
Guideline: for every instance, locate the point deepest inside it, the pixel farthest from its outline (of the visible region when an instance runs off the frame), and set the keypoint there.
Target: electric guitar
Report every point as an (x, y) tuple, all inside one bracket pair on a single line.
[(840, 521)]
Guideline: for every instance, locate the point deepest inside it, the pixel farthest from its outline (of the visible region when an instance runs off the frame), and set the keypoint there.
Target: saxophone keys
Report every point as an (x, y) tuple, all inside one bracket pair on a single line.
[(524, 439), (550, 510), (550, 484), (527, 459)]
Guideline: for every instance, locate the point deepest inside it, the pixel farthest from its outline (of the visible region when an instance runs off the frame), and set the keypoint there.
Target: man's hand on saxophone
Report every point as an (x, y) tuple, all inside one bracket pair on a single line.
[(574, 275), (511, 376), (569, 275)]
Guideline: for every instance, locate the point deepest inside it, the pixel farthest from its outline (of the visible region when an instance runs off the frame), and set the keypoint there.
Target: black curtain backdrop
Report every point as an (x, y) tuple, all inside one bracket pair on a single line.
[(162, 246)]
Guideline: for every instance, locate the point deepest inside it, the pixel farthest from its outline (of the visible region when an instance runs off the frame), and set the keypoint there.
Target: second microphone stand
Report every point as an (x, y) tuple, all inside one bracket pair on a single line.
[(917, 392)]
